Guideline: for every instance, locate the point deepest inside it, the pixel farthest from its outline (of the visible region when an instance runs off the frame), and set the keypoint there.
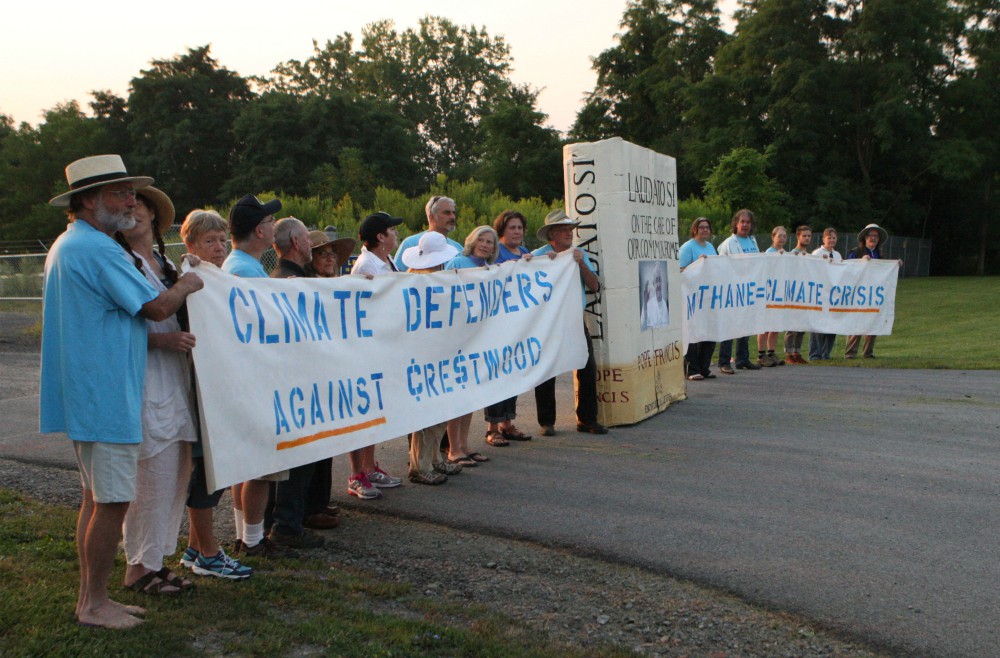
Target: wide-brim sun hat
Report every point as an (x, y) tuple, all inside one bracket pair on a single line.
[(553, 219), (342, 247), (432, 250), (161, 202), (883, 235), (95, 171)]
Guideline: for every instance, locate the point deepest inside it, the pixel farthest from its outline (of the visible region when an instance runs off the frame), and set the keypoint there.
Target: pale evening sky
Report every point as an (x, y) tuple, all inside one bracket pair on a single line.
[(56, 52)]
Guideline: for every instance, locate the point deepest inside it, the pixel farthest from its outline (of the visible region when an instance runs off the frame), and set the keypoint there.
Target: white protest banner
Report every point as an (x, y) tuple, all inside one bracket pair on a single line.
[(730, 296), (291, 371), (626, 198)]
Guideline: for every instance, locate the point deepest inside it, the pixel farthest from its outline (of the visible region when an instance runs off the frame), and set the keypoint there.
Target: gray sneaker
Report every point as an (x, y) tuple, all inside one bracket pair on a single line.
[(383, 480), (358, 485)]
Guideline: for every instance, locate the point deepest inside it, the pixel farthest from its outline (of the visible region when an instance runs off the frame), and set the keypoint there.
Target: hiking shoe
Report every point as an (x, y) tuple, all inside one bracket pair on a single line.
[(591, 428), (767, 361), (383, 480), (746, 365), (547, 430), (267, 549), (358, 485), (304, 539), (428, 477), (321, 521), (727, 370), (189, 557), (446, 468), (221, 566)]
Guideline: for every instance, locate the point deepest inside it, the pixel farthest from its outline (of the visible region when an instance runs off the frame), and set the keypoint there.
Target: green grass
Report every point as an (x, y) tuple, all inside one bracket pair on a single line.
[(941, 323), (300, 607)]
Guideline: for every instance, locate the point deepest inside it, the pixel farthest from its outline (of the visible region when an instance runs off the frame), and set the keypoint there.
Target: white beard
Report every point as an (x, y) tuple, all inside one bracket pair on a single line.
[(112, 222)]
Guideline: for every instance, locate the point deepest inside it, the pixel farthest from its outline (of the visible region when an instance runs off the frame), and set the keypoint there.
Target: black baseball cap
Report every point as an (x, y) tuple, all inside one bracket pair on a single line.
[(248, 212), (376, 223)]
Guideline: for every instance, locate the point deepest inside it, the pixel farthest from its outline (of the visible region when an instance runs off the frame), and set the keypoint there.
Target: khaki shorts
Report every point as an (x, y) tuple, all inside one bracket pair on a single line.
[(280, 476), (108, 470)]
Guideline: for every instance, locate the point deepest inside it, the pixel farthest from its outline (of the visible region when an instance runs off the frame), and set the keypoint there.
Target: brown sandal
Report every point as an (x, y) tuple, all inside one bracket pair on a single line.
[(151, 583), (496, 440), (514, 434)]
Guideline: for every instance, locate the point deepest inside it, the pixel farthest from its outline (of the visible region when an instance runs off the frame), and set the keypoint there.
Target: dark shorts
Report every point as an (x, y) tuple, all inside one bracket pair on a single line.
[(198, 495)]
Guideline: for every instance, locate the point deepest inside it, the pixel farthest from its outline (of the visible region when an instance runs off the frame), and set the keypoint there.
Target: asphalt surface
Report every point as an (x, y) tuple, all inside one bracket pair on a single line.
[(867, 500)]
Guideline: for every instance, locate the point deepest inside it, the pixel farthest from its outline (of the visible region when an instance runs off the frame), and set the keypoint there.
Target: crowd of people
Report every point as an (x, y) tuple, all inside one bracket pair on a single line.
[(698, 358), (114, 313), (114, 309)]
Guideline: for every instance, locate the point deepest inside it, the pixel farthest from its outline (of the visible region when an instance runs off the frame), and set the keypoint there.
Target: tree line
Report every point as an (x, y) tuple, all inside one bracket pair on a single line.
[(827, 112)]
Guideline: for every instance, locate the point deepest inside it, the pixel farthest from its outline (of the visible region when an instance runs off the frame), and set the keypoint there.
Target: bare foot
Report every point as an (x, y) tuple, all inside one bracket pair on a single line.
[(108, 616), (128, 609)]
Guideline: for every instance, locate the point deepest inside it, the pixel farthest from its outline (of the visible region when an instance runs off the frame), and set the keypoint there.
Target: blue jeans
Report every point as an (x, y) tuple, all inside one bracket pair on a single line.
[(820, 346), (742, 351)]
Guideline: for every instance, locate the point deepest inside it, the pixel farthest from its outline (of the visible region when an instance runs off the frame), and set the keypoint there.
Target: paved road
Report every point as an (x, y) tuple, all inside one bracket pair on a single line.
[(868, 500)]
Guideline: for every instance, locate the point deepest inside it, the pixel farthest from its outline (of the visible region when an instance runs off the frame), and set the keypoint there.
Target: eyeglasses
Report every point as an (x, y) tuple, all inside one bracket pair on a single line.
[(121, 195), (325, 254)]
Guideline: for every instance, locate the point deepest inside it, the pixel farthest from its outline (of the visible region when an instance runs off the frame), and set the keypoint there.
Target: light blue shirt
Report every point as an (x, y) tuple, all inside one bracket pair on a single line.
[(413, 241), (541, 251), (240, 263), (461, 261), (692, 251), (93, 340)]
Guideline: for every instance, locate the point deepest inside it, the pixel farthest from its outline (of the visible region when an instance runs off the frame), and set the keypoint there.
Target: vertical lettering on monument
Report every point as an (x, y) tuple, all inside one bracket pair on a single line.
[(582, 194)]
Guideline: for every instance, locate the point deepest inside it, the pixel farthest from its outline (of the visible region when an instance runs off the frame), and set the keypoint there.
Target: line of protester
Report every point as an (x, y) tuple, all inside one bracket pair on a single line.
[(117, 378), (698, 359)]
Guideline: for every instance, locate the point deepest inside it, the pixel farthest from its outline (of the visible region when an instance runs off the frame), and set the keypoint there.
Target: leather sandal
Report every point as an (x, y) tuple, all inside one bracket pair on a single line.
[(496, 440)]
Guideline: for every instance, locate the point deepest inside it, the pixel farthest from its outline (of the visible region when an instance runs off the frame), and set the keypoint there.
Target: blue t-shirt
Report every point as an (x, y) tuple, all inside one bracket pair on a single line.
[(93, 340), (461, 261), (692, 251), (541, 251), (413, 241), (240, 263), (506, 254)]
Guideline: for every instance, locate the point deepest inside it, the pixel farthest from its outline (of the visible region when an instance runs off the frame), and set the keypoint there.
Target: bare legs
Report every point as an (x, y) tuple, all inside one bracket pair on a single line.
[(362, 460), (458, 436), (202, 536), (98, 531)]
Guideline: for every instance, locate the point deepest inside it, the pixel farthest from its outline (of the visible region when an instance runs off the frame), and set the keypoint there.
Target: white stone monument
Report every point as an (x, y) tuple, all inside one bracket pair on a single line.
[(626, 197)]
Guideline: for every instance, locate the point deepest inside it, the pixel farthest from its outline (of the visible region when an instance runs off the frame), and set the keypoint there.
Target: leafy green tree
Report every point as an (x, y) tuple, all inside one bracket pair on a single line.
[(741, 181), (329, 145), (519, 156), (32, 164), (968, 160), (441, 77), (643, 82), (180, 120)]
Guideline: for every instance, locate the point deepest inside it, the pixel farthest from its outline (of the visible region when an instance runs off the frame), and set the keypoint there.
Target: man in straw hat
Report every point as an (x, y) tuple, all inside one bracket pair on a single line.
[(93, 363), (558, 232)]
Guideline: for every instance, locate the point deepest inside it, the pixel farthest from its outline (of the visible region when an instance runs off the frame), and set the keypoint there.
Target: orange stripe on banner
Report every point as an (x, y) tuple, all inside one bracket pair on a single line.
[(796, 306), (285, 445), (854, 310)]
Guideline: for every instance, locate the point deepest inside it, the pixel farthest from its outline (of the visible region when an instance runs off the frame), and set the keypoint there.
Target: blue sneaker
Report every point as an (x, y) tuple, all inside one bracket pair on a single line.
[(221, 566), (190, 555)]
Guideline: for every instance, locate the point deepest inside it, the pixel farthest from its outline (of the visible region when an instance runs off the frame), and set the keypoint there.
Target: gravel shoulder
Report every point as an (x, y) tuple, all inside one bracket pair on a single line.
[(575, 600)]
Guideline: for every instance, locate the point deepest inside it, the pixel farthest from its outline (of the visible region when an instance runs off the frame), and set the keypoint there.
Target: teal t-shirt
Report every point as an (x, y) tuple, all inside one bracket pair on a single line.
[(93, 340)]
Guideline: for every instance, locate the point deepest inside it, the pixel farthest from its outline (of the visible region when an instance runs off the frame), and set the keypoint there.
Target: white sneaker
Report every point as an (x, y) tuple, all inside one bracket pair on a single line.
[(359, 485), (383, 480)]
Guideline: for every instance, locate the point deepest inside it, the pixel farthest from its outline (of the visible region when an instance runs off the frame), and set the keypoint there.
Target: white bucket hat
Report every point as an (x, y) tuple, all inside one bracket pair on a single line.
[(432, 250), (95, 171)]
